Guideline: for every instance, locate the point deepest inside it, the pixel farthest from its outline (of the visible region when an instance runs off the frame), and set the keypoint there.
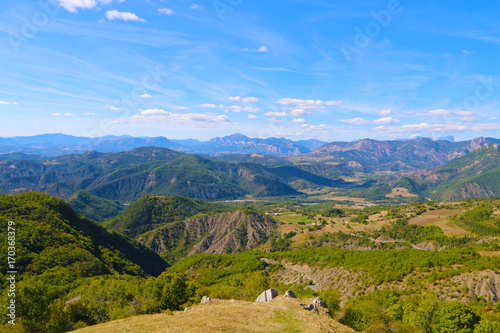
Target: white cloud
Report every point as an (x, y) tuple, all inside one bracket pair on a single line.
[(234, 108), (234, 98), (111, 107), (260, 49), (74, 5), (237, 108), (385, 112), (250, 99), (333, 103), (208, 105), (307, 103), (298, 120), (252, 116), (355, 121), (448, 127), (146, 96), (89, 114), (62, 114), (386, 121), (446, 112), (162, 116), (299, 113), (125, 16), (468, 52), (321, 127), (165, 11), (195, 6), (180, 108), (468, 118), (7, 103), (275, 114)]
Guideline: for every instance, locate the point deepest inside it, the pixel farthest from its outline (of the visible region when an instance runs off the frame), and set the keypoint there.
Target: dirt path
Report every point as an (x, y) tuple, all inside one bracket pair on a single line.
[(393, 241)]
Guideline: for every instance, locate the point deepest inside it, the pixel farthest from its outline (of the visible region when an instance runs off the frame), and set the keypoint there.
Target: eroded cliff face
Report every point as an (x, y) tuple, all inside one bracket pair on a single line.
[(216, 234), (466, 286)]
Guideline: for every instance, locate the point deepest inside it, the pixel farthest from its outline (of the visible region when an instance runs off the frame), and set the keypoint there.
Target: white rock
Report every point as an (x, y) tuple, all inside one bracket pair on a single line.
[(267, 295)]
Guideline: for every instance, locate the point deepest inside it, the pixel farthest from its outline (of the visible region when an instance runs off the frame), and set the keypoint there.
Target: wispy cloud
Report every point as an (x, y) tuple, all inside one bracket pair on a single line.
[(61, 114), (355, 121), (464, 115), (237, 108), (165, 11), (448, 127), (124, 16), (89, 114), (171, 118), (307, 103), (146, 96), (262, 49), (8, 103), (275, 114), (250, 99), (386, 121), (195, 6)]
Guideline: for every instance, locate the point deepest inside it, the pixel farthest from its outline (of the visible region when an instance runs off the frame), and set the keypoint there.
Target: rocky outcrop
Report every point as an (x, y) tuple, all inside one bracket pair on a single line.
[(314, 305), (290, 293), (267, 295), (205, 299)]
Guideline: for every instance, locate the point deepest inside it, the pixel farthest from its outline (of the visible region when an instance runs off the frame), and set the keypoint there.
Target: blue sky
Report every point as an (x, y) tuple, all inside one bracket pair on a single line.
[(331, 70)]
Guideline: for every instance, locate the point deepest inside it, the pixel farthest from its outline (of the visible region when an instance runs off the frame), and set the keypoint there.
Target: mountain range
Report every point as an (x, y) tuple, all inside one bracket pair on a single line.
[(61, 144), (127, 176), (124, 177)]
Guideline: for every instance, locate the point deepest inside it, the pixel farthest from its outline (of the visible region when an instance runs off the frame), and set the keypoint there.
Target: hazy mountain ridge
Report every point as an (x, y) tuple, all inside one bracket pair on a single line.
[(61, 144)]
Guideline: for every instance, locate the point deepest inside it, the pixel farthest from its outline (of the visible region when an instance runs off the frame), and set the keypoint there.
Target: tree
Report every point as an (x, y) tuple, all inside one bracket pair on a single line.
[(421, 312), (456, 317), (33, 303), (175, 294), (331, 298), (486, 326)]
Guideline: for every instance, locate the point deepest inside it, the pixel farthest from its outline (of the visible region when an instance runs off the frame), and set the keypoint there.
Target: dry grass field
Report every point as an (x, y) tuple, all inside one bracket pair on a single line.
[(280, 315), (402, 192), (439, 218)]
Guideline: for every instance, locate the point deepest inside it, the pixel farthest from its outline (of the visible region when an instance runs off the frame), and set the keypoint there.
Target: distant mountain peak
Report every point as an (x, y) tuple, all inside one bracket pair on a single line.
[(237, 136)]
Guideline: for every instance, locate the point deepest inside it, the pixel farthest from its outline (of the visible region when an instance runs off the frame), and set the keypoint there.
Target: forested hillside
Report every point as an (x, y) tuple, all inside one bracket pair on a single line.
[(127, 176)]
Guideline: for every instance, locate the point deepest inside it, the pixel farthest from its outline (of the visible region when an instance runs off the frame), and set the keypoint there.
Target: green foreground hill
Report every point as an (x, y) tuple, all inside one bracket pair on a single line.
[(56, 244)]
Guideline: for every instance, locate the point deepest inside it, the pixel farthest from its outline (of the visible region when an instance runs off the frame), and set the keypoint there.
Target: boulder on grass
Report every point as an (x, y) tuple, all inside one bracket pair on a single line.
[(205, 299), (267, 295)]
